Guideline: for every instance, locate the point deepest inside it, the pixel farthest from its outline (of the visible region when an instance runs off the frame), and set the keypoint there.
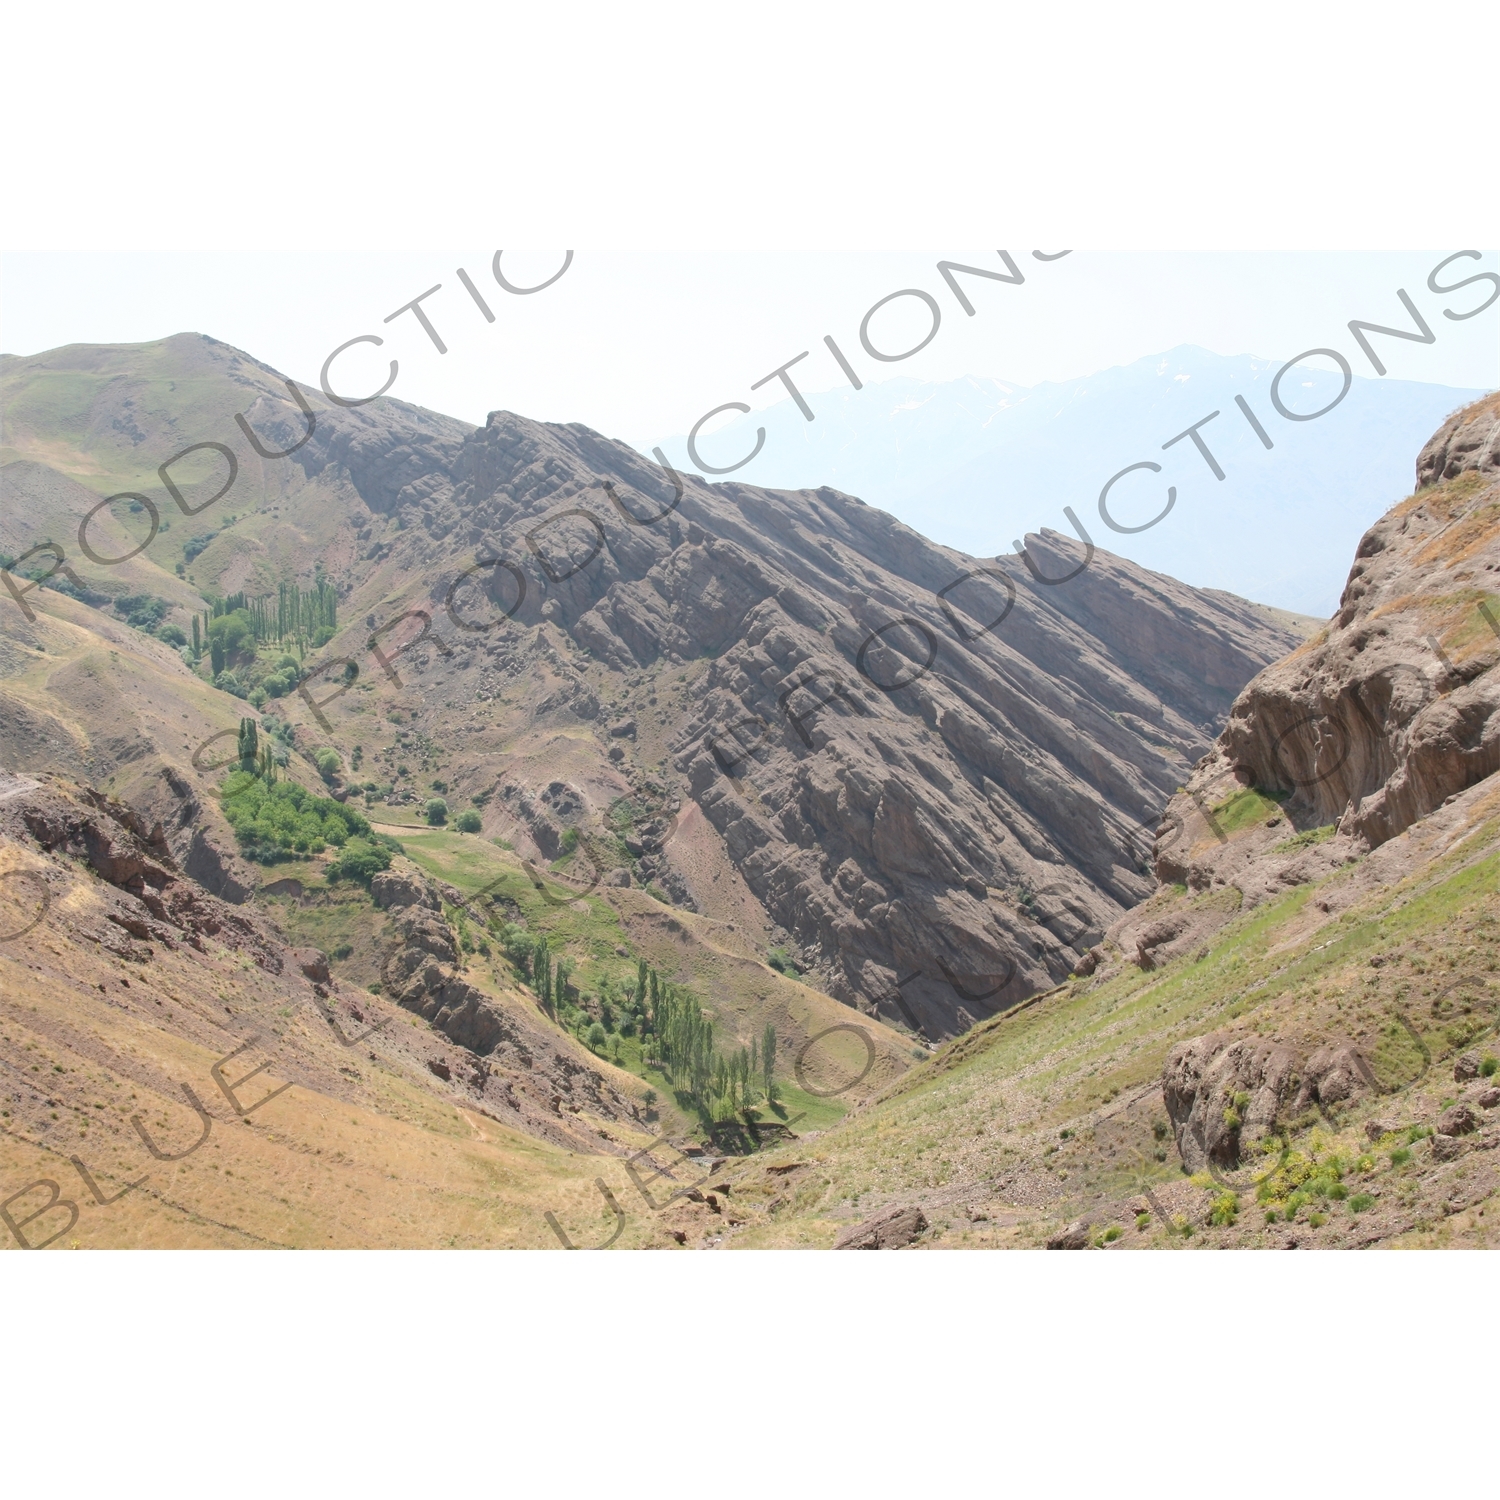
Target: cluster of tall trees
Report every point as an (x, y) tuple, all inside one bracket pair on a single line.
[(239, 622), (679, 1039), (676, 1036), (304, 612), (549, 978), (259, 760)]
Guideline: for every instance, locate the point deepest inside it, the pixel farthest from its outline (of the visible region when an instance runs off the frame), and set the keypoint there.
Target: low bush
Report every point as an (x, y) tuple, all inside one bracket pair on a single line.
[(780, 960), (1306, 839)]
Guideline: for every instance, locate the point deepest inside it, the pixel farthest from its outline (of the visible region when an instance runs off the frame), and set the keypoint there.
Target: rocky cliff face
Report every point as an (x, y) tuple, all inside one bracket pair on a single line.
[(1393, 709), (934, 772)]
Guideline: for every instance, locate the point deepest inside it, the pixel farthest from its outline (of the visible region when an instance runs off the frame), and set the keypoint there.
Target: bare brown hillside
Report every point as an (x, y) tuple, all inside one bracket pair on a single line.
[(929, 778)]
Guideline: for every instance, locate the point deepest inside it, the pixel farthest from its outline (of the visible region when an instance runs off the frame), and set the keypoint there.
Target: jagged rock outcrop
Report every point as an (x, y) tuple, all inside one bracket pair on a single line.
[(1469, 441), (1395, 708), (404, 885), (159, 903), (1224, 1092), (892, 1229), (197, 834)]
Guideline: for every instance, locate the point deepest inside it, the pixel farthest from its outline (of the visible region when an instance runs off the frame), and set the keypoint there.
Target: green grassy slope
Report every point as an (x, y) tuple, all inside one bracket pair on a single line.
[(1054, 1110)]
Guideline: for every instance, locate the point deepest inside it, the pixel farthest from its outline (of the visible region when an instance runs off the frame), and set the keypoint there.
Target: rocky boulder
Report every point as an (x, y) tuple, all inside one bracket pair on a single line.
[(1457, 1119), (893, 1229), (1074, 1237), (313, 962), (1224, 1091)]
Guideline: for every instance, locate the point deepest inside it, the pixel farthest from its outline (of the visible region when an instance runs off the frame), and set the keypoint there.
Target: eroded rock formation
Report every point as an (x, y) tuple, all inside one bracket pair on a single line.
[(1395, 707), (936, 773)]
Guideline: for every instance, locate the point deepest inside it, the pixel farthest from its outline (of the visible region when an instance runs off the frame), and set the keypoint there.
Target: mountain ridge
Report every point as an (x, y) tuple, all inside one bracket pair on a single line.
[(738, 581), (949, 455)]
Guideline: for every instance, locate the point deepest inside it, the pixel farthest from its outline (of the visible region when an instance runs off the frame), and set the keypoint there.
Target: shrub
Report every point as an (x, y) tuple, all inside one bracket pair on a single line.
[(143, 611), (1317, 1220), (1143, 1221), (359, 860), (1112, 1234), (343, 950), (1489, 1066), (1305, 839), (468, 821), (173, 635), (322, 635), (1225, 1210), (1360, 1202), (780, 960), (437, 811), (1400, 1157), (197, 544), (328, 763)]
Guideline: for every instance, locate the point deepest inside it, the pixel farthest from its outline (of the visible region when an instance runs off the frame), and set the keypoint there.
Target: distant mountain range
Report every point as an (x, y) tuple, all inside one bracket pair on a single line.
[(977, 463)]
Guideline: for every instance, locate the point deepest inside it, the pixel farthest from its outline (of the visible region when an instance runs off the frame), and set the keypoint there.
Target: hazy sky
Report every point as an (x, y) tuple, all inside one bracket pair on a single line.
[(640, 345)]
